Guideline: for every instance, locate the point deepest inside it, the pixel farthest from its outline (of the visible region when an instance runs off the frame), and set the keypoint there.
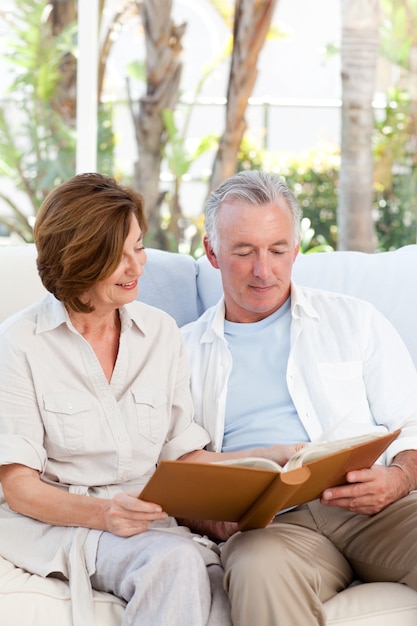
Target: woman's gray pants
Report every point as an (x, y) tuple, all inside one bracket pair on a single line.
[(163, 578)]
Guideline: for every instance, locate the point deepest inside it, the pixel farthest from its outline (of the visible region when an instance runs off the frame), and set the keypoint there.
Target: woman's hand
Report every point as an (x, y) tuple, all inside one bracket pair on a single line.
[(27, 494), (126, 515)]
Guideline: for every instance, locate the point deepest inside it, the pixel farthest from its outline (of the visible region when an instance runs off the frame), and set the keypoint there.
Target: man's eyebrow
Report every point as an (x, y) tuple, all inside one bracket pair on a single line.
[(243, 244), (281, 242)]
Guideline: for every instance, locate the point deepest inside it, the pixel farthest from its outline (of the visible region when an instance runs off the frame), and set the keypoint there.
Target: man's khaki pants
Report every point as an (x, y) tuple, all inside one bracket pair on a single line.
[(282, 574)]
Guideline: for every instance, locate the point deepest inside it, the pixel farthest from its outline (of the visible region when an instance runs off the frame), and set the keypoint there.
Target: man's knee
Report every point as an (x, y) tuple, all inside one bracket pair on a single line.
[(253, 554)]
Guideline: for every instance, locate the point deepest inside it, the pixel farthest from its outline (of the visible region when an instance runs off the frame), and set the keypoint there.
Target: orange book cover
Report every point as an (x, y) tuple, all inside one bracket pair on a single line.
[(240, 492)]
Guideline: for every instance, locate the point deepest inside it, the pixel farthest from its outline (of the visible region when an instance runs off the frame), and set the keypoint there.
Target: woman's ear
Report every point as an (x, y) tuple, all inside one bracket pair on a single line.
[(210, 253)]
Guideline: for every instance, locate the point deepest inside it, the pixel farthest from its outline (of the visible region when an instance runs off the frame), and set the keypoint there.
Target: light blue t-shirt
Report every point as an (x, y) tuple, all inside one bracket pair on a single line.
[(259, 409)]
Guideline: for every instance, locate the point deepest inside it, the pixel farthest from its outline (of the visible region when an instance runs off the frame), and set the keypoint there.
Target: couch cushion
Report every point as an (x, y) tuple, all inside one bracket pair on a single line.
[(29, 599), (373, 604), (20, 284), (169, 283), (382, 278)]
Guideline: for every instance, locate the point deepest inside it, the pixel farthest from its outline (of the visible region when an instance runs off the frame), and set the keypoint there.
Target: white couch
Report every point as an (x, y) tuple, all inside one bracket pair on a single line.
[(184, 288)]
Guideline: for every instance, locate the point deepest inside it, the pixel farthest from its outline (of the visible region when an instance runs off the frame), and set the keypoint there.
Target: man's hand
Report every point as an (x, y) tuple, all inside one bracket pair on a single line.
[(126, 515), (219, 531), (369, 490)]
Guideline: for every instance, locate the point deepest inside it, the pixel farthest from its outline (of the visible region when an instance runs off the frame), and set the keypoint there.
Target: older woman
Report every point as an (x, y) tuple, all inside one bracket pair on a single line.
[(94, 391)]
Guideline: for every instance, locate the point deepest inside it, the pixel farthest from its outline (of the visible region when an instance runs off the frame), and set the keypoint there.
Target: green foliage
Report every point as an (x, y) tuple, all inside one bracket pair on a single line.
[(37, 121), (36, 146), (307, 237), (398, 28), (314, 179), (249, 156), (136, 70), (177, 152), (105, 139), (393, 136), (37, 137), (180, 156), (395, 173)]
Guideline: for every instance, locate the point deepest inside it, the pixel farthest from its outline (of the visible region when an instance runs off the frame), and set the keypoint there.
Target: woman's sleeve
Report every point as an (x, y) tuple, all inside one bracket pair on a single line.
[(21, 427), (185, 434)]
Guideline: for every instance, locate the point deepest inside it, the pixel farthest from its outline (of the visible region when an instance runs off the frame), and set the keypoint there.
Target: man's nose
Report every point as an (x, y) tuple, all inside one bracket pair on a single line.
[(262, 267)]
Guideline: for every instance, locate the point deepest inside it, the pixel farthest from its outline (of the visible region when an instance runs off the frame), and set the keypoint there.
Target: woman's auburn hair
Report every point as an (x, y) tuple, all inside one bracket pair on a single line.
[(79, 233)]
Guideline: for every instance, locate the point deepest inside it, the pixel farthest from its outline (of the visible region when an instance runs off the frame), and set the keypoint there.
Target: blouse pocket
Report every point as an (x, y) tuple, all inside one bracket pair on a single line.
[(151, 411), (65, 416)]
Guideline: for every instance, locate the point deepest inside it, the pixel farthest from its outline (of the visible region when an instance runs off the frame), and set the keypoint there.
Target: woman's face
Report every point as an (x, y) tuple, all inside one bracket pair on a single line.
[(121, 287)]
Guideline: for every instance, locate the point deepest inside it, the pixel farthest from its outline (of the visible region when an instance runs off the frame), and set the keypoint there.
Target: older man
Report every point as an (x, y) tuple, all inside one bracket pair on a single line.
[(276, 363)]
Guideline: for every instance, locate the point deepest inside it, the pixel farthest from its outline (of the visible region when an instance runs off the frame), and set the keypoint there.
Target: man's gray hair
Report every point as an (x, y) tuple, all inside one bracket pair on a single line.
[(251, 187)]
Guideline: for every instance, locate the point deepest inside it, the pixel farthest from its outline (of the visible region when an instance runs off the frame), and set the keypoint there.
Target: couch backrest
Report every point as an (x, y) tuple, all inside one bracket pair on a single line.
[(169, 282), (185, 288), (388, 280), (20, 284)]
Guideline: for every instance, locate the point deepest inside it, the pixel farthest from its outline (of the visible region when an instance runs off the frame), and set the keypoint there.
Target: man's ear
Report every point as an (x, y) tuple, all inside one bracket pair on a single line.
[(210, 253), (296, 251)]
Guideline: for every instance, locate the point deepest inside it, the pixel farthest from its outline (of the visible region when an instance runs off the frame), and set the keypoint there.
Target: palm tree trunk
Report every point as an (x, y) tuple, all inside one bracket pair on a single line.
[(163, 66), (251, 25), (360, 21)]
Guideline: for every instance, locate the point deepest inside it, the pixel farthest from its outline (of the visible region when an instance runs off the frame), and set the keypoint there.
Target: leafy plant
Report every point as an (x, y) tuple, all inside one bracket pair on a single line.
[(307, 237), (180, 156), (37, 121), (395, 172), (314, 179), (36, 146)]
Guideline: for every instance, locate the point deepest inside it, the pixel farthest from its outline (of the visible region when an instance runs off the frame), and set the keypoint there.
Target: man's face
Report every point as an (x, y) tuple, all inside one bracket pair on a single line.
[(255, 258)]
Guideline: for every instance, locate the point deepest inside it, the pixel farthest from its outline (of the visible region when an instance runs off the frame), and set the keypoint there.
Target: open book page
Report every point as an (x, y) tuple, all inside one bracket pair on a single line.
[(313, 451), (252, 461)]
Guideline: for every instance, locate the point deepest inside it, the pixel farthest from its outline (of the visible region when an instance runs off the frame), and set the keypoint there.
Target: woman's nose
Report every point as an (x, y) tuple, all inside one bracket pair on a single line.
[(137, 262)]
